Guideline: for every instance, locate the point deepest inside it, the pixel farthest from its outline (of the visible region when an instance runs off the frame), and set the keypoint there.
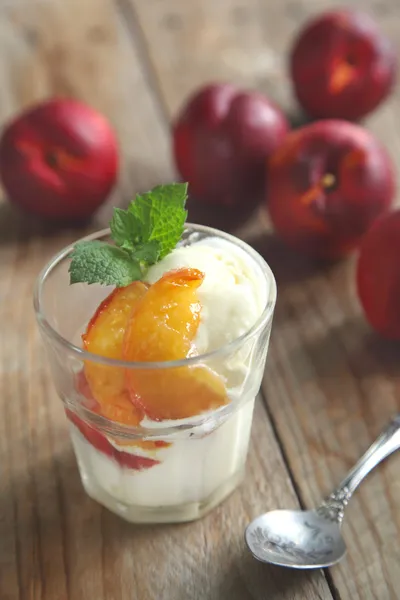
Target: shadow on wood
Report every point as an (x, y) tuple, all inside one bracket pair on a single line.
[(287, 265), (298, 119), (379, 354), (369, 355), (16, 225), (238, 577), (226, 218)]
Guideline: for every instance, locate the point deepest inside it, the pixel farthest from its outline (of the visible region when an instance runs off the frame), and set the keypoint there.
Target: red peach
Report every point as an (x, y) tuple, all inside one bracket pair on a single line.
[(327, 184), (378, 275), (342, 66), (59, 160), (222, 138)]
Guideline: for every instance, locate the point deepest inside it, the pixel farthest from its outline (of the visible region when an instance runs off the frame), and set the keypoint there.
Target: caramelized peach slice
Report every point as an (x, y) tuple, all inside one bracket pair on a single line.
[(162, 327), (145, 444), (121, 412), (83, 388), (165, 321), (104, 336), (177, 393)]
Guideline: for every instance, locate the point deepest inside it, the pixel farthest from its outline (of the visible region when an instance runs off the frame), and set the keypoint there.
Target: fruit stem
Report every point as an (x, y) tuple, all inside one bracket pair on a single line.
[(51, 160), (328, 181)]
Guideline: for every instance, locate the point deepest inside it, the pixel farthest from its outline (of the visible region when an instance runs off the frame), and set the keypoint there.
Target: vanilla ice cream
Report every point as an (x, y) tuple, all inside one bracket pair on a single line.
[(203, 462)]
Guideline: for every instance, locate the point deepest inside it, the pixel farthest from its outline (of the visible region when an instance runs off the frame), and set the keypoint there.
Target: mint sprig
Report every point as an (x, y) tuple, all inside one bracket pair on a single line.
[(98, 262), (143, 234)]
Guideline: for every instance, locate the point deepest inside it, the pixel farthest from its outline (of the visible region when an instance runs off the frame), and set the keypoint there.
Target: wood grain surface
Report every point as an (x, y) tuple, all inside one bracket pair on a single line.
[(330, 385)]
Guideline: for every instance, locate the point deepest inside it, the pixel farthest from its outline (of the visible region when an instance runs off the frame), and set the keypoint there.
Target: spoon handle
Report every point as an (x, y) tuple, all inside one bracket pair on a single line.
[(387, 442)]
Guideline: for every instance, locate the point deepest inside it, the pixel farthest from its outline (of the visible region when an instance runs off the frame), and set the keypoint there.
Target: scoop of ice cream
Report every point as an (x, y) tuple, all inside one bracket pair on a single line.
[(233, 293)]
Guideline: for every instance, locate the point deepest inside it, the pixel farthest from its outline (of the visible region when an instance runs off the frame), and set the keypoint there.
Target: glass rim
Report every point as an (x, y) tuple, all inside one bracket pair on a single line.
[(264, 318)]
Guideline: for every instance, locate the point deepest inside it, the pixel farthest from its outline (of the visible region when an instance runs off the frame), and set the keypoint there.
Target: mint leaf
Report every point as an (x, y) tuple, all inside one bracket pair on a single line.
[(98, 262), (149, 252), (162, 215), (143, 233), (141, 211), (125, 229)]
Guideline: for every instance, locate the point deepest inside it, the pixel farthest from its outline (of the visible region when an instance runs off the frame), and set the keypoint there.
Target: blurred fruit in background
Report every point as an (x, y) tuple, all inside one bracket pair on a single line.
[(222, 138), (59, 160), (342, 66), (378, 275), (327, 184)]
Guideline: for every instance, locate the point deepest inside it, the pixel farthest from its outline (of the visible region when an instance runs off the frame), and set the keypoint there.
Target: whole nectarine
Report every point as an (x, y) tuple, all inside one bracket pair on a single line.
[(342, 66), (222, 138), (378, 275), (327, 184), (59, 160)]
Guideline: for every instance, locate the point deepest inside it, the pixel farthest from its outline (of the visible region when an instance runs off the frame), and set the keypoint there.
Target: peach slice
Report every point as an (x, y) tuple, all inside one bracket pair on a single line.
[(120, 411), (161, 327), (104, 336)]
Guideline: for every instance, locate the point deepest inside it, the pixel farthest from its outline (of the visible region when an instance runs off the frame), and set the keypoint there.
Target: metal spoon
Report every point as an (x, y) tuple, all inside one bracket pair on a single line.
[(310, 539)]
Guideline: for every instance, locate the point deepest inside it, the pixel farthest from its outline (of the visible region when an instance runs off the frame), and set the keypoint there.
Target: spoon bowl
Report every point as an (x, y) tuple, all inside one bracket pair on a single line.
[(295, 538), (311, 539)]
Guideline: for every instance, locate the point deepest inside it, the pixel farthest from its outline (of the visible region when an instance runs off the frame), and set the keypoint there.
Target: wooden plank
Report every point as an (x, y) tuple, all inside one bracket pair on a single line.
[(339, 386), (55, 543), (330, 384), (331, 387), (44, 52), (190, 43)]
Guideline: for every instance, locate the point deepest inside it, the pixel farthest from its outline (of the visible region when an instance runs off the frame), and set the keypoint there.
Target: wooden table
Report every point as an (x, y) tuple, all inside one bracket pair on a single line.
[(330, 386)]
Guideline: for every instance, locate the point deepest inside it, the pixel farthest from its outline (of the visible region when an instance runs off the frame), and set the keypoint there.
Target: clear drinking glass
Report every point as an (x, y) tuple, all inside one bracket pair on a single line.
[(170, 471)]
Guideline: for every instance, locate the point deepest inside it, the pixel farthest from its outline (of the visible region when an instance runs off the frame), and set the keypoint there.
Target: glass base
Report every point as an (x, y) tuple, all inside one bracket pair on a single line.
[(163, 514)]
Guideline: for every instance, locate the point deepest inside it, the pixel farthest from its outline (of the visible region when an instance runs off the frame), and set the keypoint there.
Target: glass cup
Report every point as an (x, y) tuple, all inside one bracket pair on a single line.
[(155, 472)]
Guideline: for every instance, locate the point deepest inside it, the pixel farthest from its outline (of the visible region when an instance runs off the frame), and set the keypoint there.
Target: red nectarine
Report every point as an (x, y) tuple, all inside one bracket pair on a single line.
[(342, 66), (221, 140), (327, 184), (378, 275), (59, 160)]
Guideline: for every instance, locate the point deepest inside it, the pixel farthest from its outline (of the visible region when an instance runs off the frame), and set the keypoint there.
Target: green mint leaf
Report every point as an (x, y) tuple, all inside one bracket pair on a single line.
[(143, 234), (98, 262), (162, 215), (147, 253), (141, 211), (125, 229)]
